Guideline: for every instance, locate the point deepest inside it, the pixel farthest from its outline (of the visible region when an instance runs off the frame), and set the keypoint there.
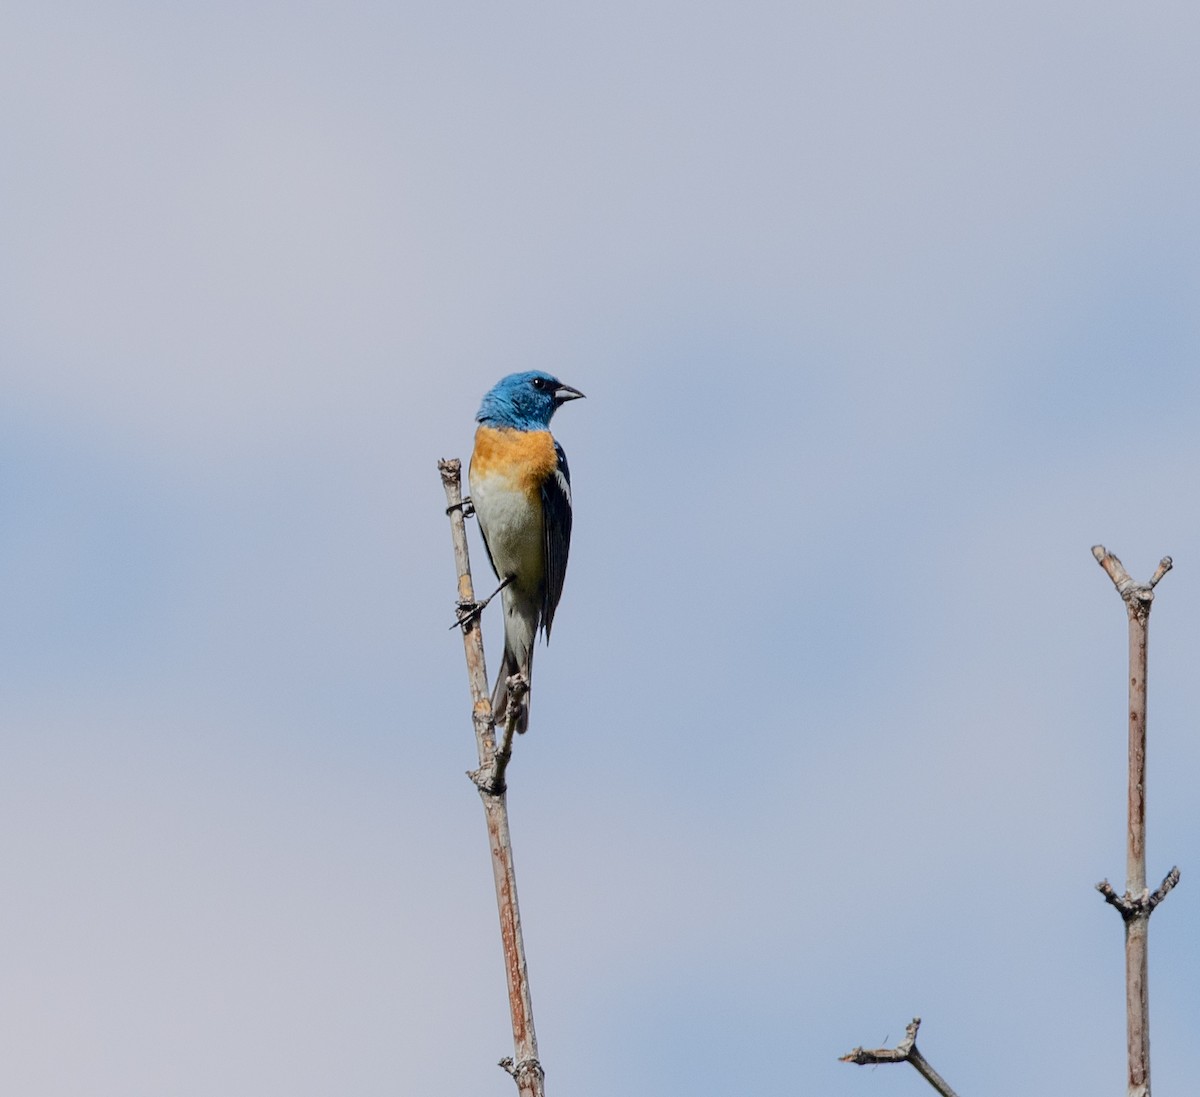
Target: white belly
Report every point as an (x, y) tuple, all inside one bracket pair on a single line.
[(512, 525)]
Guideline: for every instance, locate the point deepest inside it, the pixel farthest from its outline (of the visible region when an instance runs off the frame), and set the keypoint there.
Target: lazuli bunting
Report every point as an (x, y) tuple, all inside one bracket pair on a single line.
[(521, 490)]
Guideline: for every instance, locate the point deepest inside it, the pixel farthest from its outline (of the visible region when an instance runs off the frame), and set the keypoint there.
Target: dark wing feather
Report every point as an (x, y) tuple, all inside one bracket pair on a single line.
[(556, 509)]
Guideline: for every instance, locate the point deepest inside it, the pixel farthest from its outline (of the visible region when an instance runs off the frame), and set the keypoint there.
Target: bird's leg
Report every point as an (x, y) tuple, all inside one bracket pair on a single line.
[(465, 505), (470, 611)]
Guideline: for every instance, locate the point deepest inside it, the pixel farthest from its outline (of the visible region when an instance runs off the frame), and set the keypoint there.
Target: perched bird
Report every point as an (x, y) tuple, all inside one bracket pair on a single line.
[(521, 490)]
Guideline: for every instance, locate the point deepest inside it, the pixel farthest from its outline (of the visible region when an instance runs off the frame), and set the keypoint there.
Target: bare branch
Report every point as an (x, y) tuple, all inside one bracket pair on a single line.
[(904, 1052), (489, 779), (1137, 904)]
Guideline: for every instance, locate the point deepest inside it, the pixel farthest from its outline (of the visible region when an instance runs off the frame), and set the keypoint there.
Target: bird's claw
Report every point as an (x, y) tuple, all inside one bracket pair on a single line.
[(470, 611), (465, 505), (467, 612)]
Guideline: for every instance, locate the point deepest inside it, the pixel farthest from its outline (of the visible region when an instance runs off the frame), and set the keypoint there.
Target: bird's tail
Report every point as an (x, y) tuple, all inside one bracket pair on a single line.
[(510, 666)]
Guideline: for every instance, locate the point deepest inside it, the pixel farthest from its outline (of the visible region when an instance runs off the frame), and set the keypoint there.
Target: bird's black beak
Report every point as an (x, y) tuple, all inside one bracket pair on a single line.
[(563, 393)]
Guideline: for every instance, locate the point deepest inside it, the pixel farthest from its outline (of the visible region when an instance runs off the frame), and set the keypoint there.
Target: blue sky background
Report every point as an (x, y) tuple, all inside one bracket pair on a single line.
[(885, 312)]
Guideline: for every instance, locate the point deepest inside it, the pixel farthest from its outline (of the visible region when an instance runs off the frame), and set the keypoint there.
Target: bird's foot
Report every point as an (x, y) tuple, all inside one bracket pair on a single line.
[(470, 611)]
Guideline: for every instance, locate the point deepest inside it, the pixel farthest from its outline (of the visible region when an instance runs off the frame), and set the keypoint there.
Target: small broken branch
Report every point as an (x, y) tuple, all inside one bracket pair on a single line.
[(1163, 890), (518, 686), (489, 779), (904, 1052), (1147, 901)]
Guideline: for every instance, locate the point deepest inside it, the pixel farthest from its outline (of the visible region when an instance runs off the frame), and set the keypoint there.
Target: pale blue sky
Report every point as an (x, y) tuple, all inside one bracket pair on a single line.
[(886, 313)]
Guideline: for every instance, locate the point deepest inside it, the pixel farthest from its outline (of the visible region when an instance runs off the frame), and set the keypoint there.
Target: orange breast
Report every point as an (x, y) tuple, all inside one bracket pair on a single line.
[(523, 457)]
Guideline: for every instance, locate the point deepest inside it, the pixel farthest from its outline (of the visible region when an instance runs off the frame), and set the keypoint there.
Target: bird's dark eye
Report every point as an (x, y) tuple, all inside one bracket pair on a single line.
[(539, 383)]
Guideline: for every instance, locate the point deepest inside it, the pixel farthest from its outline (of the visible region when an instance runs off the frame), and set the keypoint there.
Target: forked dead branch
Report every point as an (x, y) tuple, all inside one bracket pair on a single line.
[(904, 1052), (1138, 903)]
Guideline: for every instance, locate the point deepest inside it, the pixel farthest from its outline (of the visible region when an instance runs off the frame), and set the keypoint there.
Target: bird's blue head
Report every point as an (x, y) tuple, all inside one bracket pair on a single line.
[(525, 401)]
